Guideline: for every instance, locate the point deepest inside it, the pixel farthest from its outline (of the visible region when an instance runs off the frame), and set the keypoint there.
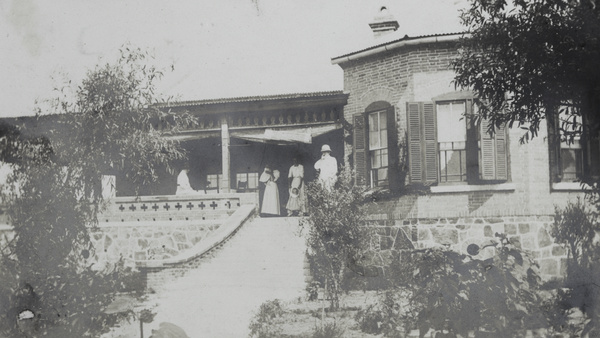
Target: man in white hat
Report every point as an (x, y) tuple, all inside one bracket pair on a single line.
[(327, 167)]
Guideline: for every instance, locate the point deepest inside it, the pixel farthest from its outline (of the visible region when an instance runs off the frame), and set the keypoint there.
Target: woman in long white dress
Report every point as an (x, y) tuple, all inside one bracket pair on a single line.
[(270, 203)]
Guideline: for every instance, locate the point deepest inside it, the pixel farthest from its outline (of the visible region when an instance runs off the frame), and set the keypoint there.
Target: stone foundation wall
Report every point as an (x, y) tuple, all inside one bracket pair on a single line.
[(529, 233), (149, 241)]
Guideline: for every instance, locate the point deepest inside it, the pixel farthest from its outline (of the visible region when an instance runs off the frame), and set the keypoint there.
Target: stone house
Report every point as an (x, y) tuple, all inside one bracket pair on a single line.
[(410, 133), (400, 124)]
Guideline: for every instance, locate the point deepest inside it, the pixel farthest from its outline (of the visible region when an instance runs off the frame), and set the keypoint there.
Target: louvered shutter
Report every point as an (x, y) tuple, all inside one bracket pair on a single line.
[(414, 143), (501, 153), (554, 149), (494, 159), (422, 143), (360, 148), (392, 133), (590, 143), (430, 140), (592, 168)]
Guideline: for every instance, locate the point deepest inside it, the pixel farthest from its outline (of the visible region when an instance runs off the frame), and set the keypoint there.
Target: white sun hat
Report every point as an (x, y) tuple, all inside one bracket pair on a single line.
[(325, 148)]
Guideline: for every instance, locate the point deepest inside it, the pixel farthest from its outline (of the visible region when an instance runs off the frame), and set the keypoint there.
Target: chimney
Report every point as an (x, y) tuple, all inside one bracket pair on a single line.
[(383, 23)]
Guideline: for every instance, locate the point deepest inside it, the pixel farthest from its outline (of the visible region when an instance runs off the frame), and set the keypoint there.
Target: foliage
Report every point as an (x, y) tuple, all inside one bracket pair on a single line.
[(312, 290), (576, 227), (54, 195), (453, 294), (525, 59), (262, 325), (336, 232), (329, 330), (382, 317)]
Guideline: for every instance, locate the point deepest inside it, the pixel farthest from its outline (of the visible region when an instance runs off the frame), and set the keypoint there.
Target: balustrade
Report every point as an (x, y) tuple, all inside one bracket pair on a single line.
[(176, 207)]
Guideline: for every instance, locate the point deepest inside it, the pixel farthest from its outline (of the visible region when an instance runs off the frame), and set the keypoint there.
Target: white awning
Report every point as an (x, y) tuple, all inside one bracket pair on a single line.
[(285, 136)]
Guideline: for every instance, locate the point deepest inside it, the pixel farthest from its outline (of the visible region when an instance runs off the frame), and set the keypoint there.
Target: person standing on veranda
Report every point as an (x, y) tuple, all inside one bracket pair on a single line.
[(297, 202), (270, 201), (327, 168)]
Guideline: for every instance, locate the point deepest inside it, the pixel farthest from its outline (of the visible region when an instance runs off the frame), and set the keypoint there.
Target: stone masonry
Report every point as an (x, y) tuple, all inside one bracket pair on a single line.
[(147, 241), (531, 234)]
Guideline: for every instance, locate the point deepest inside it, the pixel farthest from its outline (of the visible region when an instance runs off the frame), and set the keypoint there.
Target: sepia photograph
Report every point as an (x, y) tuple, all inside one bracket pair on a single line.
[(300, 169)]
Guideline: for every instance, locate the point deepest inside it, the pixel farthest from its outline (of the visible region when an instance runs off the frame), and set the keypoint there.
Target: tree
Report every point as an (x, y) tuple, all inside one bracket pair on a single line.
[(337, 235), (54, 194), (528, 60)]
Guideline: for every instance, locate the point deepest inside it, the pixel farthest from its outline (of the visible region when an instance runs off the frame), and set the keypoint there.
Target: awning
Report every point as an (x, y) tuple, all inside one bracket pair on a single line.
[(284, 136)]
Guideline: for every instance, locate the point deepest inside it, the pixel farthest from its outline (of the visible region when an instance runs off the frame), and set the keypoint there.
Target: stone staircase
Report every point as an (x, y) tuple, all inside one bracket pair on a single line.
[(263, 261)]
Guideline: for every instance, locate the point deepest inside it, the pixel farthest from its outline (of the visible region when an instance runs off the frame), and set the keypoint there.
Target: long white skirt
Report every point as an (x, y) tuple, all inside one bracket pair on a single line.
[(270, 203)]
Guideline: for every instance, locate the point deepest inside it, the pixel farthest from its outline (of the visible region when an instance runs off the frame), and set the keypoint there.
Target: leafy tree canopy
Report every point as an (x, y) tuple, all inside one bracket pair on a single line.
[(54, 193), (527, 60)]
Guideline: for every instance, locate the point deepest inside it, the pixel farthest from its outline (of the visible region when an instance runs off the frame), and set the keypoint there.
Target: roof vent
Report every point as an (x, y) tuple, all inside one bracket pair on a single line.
[(383, 23)]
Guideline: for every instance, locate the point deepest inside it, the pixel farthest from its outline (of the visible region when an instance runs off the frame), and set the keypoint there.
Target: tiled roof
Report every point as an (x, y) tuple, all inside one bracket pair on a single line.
[(404, 38), (252, 99)]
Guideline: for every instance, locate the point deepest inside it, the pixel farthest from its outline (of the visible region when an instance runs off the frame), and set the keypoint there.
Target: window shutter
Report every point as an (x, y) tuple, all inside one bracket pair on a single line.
[(494, 161), (431, 156), (414, 143), (392, 132), (360, 148), (592, 167), (422, 143), (554, 149), (501, 153)]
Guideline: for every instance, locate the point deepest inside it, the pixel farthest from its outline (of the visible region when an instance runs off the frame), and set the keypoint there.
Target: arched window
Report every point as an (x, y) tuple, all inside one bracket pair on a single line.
[(375, 145)]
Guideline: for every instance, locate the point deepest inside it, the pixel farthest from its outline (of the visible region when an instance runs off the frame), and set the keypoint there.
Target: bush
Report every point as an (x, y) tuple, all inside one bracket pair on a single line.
[(446, 291), (382, 317), (263, 323), (329, 330), (576, 228), (337, 236)]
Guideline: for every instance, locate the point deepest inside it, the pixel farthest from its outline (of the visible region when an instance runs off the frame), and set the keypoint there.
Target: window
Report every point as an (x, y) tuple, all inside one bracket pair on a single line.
[(212, 181), (452, 141), (247, 181), (445, 146), (376, 146), (571, 161), (378, 149), (577, 153)]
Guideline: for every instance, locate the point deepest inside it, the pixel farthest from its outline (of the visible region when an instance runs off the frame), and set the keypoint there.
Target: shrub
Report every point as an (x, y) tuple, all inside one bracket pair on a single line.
[(382, 317), (312, 290), (444, 290), (329, 330), (336, 232), (576, 227), (263, 323)]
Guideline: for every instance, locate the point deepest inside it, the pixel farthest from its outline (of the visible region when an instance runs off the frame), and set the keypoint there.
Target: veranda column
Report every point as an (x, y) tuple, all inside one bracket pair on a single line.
[(226, 170)]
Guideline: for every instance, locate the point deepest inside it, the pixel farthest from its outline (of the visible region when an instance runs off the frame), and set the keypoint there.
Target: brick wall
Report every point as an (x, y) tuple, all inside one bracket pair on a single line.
[(420, 73)]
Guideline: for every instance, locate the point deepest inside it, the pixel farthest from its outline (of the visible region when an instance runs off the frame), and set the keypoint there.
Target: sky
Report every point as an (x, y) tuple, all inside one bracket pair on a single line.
[(218, 49)]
